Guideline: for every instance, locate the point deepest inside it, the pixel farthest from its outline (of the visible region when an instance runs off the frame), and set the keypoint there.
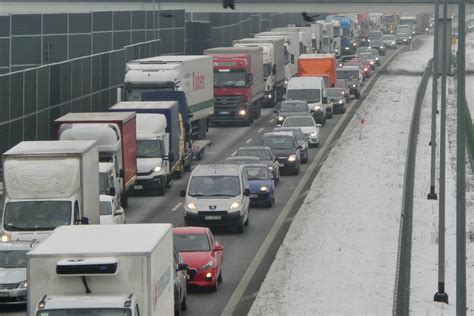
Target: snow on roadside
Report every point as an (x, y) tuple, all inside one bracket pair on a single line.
[(340, 253), (414, 61)]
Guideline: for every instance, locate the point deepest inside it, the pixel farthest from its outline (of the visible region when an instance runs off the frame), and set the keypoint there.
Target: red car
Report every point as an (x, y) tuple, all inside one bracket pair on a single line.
[(197, 247)]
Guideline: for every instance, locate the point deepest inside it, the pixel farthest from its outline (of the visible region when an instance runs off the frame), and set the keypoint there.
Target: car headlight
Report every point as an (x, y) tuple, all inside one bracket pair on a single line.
[(317, 108), (235, 205), (376, 58), (23, 284), (393, 43), (263, 189), (242, 112), (157, 169), (292, 158), (381, 47), (354, 44), (340, 102), (207, 266), (5, 237), (270, 168), (340, 65), (314, 134), (353, 86), (371, 62), (191, 206), (280, 118), (366, 69), (346, 48), (269, 96)]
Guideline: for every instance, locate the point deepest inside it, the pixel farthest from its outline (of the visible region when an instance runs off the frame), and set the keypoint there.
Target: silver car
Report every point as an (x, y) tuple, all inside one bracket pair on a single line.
[(308, 126), (13, 283)]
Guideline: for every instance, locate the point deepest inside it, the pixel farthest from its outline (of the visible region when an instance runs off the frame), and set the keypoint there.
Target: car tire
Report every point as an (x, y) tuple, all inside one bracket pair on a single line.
[(219, 278), (161, 190), (246, 223), (271, 202), (240, 228), (215, 286)]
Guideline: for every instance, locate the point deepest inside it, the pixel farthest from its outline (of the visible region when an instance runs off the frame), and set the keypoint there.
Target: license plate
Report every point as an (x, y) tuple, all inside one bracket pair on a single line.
[(253, 195), (138, 187), (224, 113), (281, 164), (3, 294), (212, 218)]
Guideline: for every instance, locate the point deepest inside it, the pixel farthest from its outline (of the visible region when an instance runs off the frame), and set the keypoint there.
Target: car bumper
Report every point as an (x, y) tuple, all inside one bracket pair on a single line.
[(205, 219), (150, 183), (202, 280), (287, 165), (13, 297), (228, 116), (256, 197), (339, 107)]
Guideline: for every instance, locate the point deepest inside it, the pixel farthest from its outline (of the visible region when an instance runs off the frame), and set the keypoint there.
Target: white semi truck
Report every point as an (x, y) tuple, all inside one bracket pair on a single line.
[(292, 50), (273, 65), (49, 184), (191, 74), (103, 270)]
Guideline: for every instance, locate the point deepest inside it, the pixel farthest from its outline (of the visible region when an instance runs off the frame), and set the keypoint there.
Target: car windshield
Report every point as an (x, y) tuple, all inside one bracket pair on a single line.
[(308, 95), (366, 55), (298, 121), (105, 208), (86, 312), (149, 148), (11, 259), (388, 37), (335, 92), (36, 215), (294, 107), (375, 35), (262, 154), (242, 161), (135, 94), (348, 74), (191, 242), (104, 182), (401, 35), (279, 142), (258, 173), (230, 79), (214, 186)]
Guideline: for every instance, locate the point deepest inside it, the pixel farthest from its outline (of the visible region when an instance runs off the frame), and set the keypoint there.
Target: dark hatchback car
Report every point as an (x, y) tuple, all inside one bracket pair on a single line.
[(265, 155), (290, 108), (286, 149), (302, 141), (338, 99)]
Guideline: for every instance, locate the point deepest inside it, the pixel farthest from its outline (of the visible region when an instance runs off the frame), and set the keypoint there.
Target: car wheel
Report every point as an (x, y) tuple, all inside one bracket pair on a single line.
[(219, 278), (240, 228), (215, 286), (161, 190), (297, 170), (271, 202), (177, 307), (184, 306), (246, 223)]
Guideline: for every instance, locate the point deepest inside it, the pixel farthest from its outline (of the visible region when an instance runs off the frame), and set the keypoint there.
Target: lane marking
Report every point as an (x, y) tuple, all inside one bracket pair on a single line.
[(271, 121), (260, 130), (248, 140), (176, 207)]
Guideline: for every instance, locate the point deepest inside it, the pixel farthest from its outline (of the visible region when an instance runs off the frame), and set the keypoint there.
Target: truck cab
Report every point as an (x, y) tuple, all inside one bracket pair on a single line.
[(109, 184)]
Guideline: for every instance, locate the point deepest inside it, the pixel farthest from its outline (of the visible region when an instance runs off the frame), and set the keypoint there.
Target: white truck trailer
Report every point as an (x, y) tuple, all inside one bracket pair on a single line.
[(292, 50), (49, 184), (103, 270), (305, 36), (191, 74), (273, 65)]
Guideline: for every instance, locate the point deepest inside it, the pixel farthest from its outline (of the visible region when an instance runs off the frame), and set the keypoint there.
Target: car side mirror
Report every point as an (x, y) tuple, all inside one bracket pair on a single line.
[(118, 213), (182, 267), (325, 100), (191, 273), (300, 147), (319, 125), (247, 192), (182, 193), (111, 191), (292, 58), (218, 247)]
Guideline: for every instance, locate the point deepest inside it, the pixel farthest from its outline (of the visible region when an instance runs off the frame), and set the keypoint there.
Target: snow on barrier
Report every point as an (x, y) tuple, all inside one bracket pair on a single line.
[(401, 304)]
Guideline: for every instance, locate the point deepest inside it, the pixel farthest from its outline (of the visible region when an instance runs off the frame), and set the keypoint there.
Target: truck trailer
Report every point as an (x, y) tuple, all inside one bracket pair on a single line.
[(239, 86), (191, 74), (115, 134), (273, 65), (49, 184), (103, 270)]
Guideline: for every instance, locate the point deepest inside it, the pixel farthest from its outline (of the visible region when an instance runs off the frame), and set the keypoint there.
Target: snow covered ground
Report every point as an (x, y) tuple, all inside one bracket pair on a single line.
[(339, 256)]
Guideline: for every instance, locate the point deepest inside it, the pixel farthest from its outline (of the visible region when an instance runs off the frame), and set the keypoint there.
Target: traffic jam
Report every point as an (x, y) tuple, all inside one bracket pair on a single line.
[(68, 246)]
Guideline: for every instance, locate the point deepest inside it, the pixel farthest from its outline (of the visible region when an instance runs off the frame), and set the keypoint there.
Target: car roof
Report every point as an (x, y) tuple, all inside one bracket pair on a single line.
[(255, 148), (217, 170), (298, 117), (294, 101), (190, 230), (242, 158), (257, 165), (286, 128), (278, 134)]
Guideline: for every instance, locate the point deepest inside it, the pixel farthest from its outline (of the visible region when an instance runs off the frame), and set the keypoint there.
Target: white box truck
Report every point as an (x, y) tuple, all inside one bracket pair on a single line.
[(273, 65), (103, 270), (49, 184), (305, 36), (192, 74), (292, 49)]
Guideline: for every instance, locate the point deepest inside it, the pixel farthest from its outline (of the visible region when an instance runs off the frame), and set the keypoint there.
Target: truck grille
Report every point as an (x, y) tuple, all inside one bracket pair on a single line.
[(8, 286), (212, 213), (227, 102), (144, 173)]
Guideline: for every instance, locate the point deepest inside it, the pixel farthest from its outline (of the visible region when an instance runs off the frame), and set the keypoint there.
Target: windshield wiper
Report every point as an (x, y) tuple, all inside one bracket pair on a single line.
[(10, 226), (195, 194)]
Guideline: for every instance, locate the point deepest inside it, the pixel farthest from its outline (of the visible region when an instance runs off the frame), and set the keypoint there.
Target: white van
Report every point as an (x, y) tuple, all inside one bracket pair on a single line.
[(311, 90), (217, 195)]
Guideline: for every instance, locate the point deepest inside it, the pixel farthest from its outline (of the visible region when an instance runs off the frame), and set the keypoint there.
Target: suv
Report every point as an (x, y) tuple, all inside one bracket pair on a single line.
[(353, 77), (285, 147), (217, 195)]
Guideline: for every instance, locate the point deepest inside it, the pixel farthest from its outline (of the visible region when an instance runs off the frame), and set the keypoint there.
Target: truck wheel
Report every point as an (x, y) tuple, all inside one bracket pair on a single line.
[(124, 199)]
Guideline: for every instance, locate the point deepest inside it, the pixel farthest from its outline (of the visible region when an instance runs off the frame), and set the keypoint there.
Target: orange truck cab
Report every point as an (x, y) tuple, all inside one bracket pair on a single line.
[(318, 65)]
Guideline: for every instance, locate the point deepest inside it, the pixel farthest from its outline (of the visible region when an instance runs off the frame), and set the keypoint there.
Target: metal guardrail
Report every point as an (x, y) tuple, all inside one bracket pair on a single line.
[(401, 300)]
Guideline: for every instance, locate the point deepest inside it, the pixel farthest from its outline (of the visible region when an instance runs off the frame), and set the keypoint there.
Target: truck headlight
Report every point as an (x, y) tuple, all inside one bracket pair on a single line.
[(191, 206), (292, 158), (270, 168), (346, 48), (5, 237), (341, 102), (23, 284), (207, 266), (280, 118), (269, 96), (353, 86), (314, 134), (234, 205), (242, 112), (317, 108), (263, 189), (381, 47), (157, 169), (376, 58)]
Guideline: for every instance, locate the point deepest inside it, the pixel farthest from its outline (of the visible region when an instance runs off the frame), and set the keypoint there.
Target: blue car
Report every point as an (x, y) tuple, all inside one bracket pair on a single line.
[(262, 185)]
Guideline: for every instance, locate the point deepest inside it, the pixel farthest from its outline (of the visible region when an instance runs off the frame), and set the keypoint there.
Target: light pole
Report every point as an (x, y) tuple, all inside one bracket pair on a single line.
[(441, 295)]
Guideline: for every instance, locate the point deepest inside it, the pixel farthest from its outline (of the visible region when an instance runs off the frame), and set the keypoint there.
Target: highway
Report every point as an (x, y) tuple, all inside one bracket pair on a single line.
[(239, 249)]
